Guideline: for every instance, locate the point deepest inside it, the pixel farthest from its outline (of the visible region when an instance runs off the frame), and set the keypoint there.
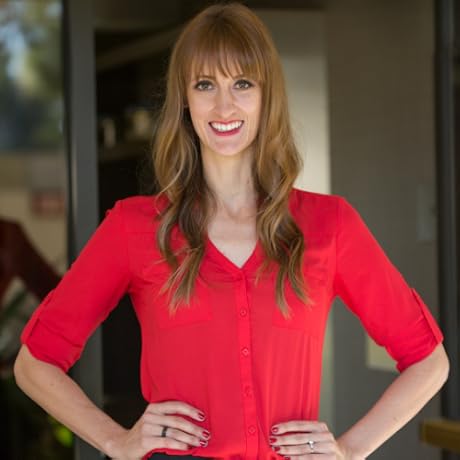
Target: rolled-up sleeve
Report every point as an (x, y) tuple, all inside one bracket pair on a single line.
[(391, 311), (60, 326)]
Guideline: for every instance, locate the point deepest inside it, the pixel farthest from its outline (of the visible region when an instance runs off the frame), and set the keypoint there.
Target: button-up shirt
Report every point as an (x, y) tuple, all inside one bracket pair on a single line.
[(231, 353)]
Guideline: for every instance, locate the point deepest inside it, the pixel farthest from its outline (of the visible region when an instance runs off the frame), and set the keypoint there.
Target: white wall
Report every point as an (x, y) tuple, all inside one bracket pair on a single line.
[(299, 38)]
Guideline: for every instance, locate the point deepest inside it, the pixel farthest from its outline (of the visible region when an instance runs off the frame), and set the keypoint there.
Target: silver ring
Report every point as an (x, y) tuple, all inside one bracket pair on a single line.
[(311, 444), (163, 432)]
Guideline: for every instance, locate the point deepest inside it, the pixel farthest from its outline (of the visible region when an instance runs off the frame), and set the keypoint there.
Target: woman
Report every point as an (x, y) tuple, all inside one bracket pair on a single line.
[(231, 272)]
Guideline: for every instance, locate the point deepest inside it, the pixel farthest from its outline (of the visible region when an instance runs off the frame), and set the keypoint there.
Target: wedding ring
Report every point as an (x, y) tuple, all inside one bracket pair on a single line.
[(311, 444), (163, 433)]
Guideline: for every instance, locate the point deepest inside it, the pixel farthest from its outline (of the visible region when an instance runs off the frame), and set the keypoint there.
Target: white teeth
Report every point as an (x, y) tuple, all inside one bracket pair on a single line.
[(228, 127)]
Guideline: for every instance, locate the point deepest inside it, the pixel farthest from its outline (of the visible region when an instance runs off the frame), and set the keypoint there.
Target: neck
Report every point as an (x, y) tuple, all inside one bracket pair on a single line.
[(230, 180)]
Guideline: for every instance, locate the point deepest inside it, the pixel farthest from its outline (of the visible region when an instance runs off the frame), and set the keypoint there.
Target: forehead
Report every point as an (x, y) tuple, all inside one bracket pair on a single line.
[(226, 60), (212, 69)]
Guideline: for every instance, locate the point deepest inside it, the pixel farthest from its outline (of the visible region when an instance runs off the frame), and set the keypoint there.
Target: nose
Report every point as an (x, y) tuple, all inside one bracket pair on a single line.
[(224, 103)]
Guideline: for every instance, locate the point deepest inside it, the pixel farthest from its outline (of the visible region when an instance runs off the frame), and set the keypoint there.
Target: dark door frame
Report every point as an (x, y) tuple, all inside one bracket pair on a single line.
[(448, 207), (83, 212)]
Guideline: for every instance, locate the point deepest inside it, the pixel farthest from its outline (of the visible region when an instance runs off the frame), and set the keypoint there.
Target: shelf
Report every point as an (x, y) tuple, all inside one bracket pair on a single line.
[(442, 433)]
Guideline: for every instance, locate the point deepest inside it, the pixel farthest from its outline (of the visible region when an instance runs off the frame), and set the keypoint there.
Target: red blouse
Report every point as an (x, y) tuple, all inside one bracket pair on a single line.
[(232, 354)]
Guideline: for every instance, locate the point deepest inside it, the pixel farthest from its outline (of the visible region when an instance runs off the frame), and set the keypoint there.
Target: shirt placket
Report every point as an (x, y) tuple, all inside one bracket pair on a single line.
[(245, 353)]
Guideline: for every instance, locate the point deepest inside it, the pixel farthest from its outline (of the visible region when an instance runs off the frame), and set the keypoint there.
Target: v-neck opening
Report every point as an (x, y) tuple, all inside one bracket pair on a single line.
[(228, 262)]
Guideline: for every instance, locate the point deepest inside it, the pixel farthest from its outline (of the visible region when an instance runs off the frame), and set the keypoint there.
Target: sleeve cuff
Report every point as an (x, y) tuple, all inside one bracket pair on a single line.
[(420, 343), (49, 346)]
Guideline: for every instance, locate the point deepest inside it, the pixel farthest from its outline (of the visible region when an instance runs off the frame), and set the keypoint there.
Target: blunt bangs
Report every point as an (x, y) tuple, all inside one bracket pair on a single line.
[(222, 48)]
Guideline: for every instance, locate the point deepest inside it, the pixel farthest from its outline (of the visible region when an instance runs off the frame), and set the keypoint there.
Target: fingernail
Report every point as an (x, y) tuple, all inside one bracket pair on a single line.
[(201, 416), (287, 458), (275, 429), (272, 440), (276, 448), (206, 434), (204, 443)]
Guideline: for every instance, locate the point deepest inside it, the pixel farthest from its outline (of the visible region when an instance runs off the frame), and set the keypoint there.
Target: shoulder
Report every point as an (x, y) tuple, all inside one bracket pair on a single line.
[(139, 212), (315, 200), (313, 211)]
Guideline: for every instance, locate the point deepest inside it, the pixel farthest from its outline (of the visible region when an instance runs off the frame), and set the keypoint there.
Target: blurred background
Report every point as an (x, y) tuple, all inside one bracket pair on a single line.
[(373, 92)]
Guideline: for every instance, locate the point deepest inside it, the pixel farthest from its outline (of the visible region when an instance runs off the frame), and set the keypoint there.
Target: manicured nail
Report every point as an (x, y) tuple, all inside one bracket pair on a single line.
[(204, 443), (276, 448), (206, 434), (275, 429), (272, 440), (201, 416)]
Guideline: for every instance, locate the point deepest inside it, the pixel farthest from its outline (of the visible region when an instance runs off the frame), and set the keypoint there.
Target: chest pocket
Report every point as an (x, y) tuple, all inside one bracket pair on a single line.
[(199, 310), (308, 317)]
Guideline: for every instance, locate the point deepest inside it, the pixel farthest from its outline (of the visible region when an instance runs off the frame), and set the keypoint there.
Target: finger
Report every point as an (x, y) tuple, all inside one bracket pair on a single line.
[(176, 407), (301, 438), (322, 448), (328, 448), (150, 443), (320, 457), (186, 438), (151, 436), (192, 431), (299, 425)]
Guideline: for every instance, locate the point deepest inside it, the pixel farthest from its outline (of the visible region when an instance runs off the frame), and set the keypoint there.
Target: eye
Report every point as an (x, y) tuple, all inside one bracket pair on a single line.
[(203, 85), (244, 84)]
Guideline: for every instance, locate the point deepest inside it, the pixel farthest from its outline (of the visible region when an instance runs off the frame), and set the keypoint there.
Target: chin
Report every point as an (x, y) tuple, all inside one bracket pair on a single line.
[(229, 152)]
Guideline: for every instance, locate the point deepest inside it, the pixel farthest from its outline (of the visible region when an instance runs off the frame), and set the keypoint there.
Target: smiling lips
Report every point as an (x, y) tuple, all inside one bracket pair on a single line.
[(226, 129)]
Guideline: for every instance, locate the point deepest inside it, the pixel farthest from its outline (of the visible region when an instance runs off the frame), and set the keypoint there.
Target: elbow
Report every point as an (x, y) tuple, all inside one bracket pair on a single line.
[(433, 370), (444, 367), (19, 369), (25, 370), (438, 367), (30, 372)]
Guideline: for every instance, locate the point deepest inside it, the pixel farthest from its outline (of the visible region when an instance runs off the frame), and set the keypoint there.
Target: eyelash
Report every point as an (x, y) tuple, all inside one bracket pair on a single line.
[(247, 83)]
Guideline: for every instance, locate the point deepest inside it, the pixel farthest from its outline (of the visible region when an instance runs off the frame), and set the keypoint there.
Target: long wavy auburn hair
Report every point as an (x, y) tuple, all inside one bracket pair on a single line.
[(226, 37)]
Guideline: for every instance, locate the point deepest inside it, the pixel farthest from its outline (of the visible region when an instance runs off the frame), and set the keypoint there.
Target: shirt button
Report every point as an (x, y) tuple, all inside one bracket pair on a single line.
[(245, 351), (252, 429), (243, 312)]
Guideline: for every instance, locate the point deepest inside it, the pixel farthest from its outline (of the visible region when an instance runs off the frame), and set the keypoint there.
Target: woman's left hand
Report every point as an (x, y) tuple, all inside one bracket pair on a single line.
[(300, 438)]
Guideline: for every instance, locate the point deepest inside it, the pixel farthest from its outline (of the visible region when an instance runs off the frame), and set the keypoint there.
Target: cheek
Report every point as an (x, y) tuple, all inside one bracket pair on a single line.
[(196, 114), (199, 103), (255, 116), (252, 106)]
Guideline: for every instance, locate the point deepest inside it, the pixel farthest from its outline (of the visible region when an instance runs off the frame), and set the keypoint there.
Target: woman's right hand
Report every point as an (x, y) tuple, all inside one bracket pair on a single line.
[(145, 435)]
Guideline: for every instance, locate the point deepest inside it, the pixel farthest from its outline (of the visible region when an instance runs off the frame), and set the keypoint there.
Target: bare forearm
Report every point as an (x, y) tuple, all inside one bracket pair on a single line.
[(61, 397), (404, 398)]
